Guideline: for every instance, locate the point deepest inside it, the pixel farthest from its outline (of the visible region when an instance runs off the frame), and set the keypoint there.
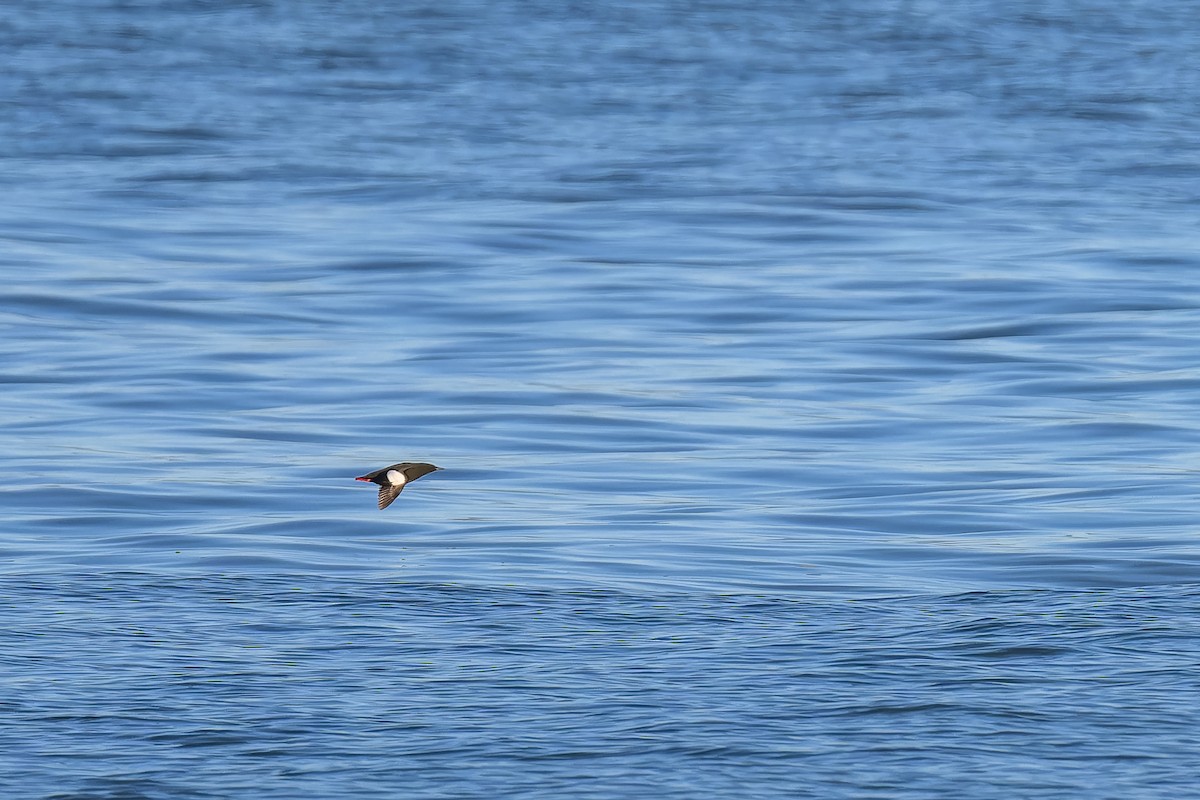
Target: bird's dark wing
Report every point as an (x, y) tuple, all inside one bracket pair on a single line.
[(388, 493)]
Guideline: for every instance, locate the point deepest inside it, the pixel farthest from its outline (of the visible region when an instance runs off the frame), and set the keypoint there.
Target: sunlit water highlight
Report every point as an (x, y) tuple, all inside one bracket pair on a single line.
[(815, 389)]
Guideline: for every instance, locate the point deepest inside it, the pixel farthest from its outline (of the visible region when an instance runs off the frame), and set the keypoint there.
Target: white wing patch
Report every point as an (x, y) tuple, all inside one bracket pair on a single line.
[(396, 477)]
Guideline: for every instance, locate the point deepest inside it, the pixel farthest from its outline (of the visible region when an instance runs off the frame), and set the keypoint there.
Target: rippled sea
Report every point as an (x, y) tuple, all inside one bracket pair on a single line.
[(815, 387)]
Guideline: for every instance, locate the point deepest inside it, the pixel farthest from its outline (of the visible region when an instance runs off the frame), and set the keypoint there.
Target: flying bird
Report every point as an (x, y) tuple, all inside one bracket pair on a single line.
[(393, 479)]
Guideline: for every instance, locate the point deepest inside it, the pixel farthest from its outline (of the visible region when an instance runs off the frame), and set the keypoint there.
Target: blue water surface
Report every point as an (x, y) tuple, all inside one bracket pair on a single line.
[(815, 386)]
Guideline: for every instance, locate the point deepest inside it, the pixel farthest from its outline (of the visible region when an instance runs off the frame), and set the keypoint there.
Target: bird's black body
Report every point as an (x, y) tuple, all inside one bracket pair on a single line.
[(393, 479)]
